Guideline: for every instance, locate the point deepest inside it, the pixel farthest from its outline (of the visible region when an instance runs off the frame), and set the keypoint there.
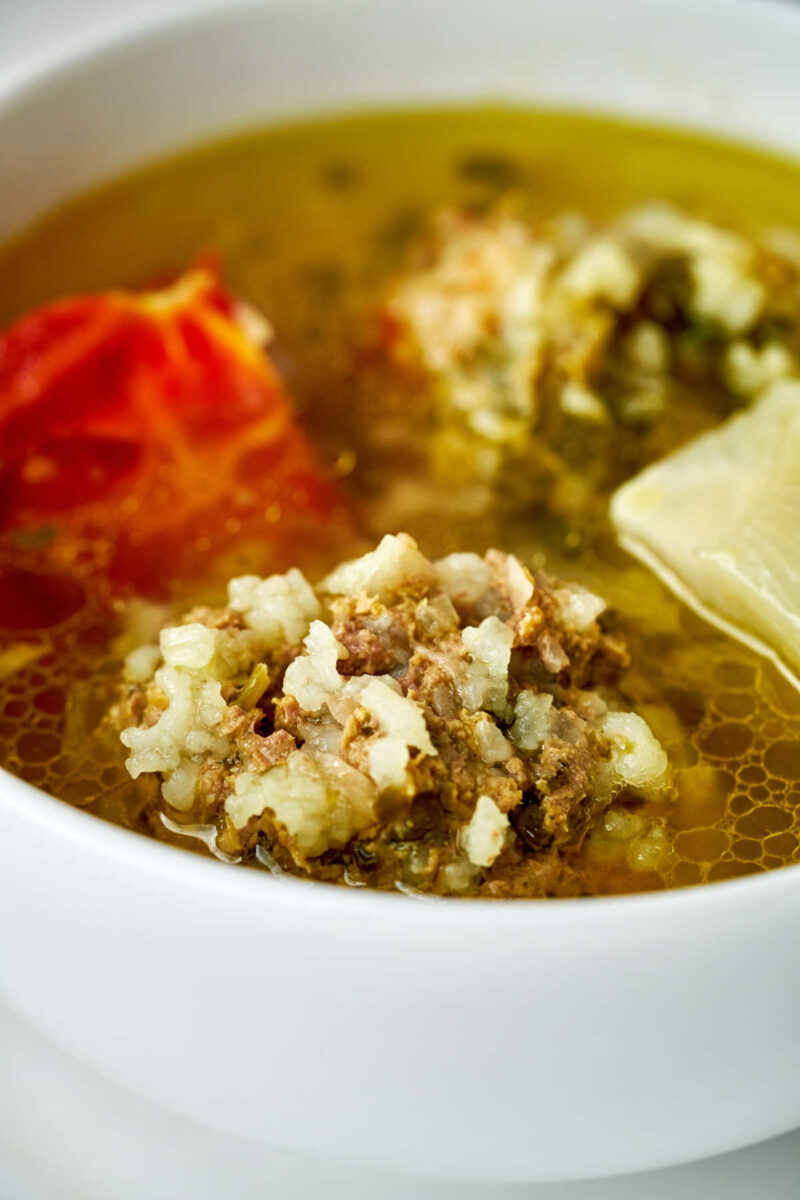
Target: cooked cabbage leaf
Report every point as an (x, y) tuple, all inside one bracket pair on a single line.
[(719, 521)]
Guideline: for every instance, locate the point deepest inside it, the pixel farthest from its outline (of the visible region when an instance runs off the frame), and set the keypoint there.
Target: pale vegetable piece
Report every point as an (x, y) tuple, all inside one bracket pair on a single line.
[(485, 682), (141, 663), (519, 582), (578, 608), (664, 229), (475, 317), (636, 758), (398, 716), (187, 727), (647, 852), (647, 346), (457, 876), (279, 609), (190, 646), (639, 840), (189, 684), (388, 759), (464, 577), (718, 522), (402, 724), (179, 785), (725, 291), (486, 834), (305, 801), (533, 718), (490, 741), (254, 689), (749, 370), (603, 270), (584, 405), (436, 616), (395, 562), (720, 263), (314, 676), (619, 825)]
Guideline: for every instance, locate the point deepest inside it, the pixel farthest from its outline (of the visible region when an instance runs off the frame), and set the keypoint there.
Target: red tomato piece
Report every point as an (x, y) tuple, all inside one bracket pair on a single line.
[(155, 419)]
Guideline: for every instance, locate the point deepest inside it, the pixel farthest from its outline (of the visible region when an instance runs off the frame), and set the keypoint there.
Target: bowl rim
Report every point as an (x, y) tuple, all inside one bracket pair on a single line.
[(39, 69), (72, 51)]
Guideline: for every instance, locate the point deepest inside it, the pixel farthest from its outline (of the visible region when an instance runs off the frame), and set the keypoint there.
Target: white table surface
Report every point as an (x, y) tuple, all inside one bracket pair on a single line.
[(67, 1134)]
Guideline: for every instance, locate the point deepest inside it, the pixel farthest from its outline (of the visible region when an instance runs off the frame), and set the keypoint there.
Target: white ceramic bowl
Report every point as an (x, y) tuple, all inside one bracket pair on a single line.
[(508, 1041)]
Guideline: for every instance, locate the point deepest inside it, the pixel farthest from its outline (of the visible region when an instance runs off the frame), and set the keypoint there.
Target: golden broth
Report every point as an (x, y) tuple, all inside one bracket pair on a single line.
[(308, 220)]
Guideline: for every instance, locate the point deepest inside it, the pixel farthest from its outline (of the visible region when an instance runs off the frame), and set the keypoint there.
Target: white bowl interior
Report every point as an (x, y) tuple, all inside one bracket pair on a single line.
[(724, 66)]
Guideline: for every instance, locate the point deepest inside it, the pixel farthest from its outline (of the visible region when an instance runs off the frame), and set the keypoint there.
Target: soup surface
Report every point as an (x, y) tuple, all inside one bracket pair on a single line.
[(309, 223)]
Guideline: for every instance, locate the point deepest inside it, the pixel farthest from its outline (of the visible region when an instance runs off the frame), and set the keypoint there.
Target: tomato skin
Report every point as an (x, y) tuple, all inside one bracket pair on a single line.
[(151, 421)]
